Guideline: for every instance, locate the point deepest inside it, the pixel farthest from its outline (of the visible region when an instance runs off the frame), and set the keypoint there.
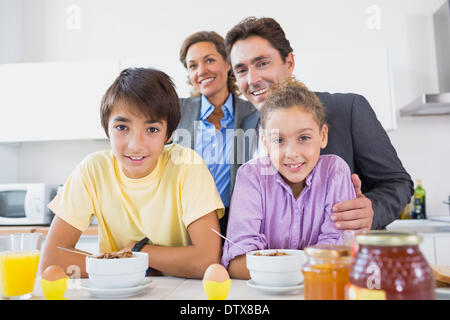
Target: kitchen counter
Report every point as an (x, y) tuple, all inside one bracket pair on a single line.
[(421, 226), (91, 230)]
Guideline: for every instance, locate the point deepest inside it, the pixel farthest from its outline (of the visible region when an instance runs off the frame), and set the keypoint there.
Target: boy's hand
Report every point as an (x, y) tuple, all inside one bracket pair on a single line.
[(355, 214), (128, 247)]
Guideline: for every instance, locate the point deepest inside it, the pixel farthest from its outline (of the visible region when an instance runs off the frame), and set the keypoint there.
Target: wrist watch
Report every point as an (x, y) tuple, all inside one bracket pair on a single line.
[(139, 245)]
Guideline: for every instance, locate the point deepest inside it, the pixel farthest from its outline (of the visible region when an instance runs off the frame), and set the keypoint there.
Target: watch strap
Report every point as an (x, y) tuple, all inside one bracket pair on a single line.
[(139, 245)]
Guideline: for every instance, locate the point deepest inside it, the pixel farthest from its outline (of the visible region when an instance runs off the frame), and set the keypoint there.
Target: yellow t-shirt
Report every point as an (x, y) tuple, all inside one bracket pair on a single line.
[(159, 206)]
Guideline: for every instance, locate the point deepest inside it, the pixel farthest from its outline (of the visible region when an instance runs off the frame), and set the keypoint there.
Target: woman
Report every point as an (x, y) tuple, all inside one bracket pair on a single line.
[(211, 117)]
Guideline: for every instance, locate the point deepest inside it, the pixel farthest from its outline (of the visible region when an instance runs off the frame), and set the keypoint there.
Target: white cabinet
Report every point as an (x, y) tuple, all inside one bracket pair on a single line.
[(169, 64), (435, 245), (427, 248), (366, 72), (61, 100), (442, 247), (55, 100)]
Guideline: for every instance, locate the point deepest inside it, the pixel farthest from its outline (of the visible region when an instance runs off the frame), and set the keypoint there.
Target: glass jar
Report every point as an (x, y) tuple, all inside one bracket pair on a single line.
[(389, 265), (326, 272)]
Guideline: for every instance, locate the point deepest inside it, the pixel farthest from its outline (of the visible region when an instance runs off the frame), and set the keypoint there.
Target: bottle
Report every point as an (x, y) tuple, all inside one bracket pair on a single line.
[(419, 202), (406, 213)]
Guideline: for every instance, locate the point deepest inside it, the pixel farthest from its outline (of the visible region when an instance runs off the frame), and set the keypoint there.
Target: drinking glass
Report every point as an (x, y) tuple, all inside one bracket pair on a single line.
[(350, 240), (19, 259)]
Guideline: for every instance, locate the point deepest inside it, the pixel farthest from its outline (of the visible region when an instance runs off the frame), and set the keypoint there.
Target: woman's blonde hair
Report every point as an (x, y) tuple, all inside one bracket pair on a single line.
[(289, 93), (219, 43)]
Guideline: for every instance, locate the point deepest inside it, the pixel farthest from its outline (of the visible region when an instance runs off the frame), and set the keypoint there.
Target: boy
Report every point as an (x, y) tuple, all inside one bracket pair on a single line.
[(141, 188)]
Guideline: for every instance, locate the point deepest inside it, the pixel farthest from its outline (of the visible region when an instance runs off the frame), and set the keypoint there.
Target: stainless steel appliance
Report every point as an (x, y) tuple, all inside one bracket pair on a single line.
[(447, 202), (436, 103), (26, 203)]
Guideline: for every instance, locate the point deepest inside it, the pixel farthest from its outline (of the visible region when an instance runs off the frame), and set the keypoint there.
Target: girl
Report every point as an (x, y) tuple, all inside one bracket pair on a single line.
[(284, 200)]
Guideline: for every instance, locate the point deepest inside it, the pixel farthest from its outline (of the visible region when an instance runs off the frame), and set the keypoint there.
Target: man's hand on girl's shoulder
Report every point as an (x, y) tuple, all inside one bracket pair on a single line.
[(354, 214)]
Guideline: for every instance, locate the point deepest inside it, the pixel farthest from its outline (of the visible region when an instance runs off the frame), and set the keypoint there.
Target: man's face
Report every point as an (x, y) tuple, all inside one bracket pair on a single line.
[(257, 65)]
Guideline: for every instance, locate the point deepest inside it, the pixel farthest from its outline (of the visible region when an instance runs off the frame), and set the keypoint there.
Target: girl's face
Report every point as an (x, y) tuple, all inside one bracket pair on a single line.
[(207, 70), (293, 140), (136, 142)]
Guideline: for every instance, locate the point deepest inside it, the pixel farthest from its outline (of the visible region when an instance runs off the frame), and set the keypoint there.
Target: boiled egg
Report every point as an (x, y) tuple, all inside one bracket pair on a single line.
[(54, 283), (53, 273), (216, 282)]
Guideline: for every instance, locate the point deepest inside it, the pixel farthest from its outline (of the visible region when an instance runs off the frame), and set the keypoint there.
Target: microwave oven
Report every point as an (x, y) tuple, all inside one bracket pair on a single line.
[(26, 203)]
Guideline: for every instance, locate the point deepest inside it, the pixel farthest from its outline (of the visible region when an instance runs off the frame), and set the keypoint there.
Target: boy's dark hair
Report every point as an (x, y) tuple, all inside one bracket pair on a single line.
[(219, 43), (151, 92), (266, 28), (289, 93)]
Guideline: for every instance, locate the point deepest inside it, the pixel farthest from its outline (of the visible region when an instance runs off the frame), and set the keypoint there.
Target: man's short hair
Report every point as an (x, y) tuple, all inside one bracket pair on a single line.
[(266, 28)]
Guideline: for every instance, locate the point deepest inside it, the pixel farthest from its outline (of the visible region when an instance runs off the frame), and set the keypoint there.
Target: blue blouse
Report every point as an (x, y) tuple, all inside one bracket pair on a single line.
[(215, 145)]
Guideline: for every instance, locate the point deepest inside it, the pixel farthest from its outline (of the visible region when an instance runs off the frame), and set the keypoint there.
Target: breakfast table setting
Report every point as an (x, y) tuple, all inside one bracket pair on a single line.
[(169, 288), (365, 270)]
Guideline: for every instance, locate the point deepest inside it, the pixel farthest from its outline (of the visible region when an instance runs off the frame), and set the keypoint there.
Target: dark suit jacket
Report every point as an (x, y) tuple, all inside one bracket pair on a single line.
[(187, 129), (356, 135)]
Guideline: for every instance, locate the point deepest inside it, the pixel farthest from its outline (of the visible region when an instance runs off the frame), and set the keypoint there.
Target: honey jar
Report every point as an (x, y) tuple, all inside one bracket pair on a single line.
[(326, 272), (389, 265)]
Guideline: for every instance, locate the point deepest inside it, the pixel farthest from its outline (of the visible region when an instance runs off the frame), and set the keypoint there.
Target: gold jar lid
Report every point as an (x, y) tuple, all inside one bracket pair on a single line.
[(327, 251), (388, 238)]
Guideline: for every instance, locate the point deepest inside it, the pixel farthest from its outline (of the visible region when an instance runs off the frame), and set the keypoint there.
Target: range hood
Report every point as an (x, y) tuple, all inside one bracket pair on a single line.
[(436, 103)]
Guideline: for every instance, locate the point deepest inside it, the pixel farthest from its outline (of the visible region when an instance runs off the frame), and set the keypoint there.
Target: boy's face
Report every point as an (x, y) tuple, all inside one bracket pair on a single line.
[(136, 142), (293, 140), (257, 65)]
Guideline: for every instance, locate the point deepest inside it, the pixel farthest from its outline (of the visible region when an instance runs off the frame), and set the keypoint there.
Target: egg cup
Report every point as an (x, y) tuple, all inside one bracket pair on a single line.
[(54, 290), (216, 290)]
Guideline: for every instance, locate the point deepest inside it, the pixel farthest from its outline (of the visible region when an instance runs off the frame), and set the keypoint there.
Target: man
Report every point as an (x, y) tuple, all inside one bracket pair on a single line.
[(260, 55)]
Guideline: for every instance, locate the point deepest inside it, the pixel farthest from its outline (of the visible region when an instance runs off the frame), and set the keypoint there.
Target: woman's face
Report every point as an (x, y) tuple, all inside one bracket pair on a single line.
[(207, 70), (293, 140)]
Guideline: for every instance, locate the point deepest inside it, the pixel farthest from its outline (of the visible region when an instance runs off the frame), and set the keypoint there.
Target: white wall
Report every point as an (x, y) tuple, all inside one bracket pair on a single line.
[(139, 28), (53, 161)]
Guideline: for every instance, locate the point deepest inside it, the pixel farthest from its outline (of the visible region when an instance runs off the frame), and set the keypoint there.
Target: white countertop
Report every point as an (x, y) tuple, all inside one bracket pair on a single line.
[(431, 225), (173, 288)]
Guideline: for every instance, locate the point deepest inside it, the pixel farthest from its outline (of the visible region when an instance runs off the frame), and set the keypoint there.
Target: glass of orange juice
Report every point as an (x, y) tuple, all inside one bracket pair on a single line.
[(19, 260)]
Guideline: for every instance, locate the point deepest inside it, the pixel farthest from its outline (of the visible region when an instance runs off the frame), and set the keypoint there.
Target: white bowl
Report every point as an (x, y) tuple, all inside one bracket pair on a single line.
[(117, 273), (276, 271)]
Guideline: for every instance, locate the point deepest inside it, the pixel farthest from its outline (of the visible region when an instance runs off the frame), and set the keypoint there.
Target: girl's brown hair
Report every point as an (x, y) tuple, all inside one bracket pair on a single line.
[(219, 43), (289, 93)]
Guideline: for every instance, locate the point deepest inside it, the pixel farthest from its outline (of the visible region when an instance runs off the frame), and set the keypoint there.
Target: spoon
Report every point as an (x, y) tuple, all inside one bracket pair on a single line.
[(230, 241), (79, 252)]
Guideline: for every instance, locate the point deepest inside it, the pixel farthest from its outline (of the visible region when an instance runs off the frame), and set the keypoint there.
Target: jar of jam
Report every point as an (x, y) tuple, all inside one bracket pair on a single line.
[(389, 265), (326, 272)]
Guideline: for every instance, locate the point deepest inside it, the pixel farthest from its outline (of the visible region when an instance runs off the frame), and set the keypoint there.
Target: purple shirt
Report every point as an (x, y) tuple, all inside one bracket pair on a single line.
[(265, 215)]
